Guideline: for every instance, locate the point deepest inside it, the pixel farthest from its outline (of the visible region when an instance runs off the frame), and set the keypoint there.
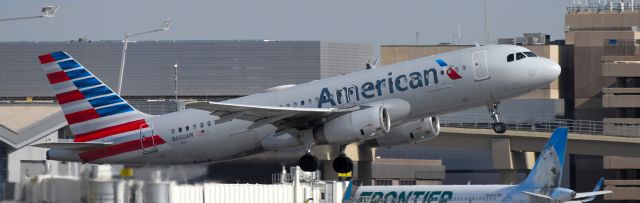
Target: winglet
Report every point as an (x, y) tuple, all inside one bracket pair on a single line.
[(599, 184), (590, 196)]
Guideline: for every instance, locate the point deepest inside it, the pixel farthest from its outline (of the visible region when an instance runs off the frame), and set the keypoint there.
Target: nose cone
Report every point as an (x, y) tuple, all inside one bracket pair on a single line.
[(552, 70)]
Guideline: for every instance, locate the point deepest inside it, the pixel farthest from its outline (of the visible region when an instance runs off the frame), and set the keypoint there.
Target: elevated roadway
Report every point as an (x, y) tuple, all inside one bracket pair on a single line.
[(524, 141)]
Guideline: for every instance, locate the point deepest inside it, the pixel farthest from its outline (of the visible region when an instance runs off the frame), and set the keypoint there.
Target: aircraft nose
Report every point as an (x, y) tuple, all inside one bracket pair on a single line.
[(552, 70)]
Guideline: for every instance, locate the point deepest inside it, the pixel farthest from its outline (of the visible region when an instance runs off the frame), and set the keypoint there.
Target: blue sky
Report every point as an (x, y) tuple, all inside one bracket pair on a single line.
[(369, 21)]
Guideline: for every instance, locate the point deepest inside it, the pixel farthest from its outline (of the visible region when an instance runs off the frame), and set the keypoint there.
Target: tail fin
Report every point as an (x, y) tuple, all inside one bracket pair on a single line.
[(91, 108), (347, 192), (547, 171)]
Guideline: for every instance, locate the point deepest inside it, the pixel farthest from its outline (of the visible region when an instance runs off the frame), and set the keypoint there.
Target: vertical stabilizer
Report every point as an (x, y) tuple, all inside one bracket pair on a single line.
[(547, 172), (94, 112)]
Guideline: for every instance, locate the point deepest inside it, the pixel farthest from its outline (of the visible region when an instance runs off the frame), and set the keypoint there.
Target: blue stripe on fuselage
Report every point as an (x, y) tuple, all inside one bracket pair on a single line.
[(441, 63)]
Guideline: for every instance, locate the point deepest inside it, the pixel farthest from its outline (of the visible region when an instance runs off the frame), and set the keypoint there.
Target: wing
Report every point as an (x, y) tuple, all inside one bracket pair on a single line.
[(282, 117)]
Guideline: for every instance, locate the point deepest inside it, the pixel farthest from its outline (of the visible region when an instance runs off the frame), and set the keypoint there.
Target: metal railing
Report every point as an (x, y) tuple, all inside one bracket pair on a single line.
[(615, 7), (575, 126)]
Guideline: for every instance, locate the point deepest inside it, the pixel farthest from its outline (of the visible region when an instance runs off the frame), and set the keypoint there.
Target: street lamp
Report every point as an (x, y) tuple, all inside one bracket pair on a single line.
[(47, 12), (175, 82), (165, 26)]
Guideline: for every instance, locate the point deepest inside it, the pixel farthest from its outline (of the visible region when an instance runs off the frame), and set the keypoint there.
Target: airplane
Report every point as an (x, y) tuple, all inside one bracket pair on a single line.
[(541, 185), (385, 106)]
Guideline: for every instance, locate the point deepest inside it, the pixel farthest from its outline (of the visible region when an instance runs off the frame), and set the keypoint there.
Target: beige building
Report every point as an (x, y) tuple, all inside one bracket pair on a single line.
[(607, 82)]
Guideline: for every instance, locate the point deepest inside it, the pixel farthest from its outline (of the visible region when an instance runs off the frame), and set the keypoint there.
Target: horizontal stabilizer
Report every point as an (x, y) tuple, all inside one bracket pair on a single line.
[(72, 145), (592, 194), (538, 195)]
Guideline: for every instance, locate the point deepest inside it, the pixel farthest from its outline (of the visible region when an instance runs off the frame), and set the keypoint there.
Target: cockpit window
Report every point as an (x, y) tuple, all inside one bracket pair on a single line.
[(519, 56), (530, 54), (510, 58)]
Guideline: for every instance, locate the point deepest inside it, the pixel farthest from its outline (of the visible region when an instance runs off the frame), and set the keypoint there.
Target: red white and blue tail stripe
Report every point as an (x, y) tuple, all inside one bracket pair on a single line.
[(94, 112)]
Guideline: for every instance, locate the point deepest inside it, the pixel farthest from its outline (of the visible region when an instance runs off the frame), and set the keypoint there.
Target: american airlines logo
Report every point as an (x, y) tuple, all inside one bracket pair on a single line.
[(390, 85)]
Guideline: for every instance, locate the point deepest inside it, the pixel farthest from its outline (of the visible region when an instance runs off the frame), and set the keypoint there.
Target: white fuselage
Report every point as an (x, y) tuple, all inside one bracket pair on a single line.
[(191, 136), (443, 194)]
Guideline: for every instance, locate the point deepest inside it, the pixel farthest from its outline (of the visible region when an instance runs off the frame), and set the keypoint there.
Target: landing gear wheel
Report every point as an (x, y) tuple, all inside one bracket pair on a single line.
[(499, 127), (342, 164), (308, 162)]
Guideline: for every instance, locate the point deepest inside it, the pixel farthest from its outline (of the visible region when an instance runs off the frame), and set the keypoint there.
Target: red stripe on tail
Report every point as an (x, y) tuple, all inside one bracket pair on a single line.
[(69, 96), (113, 130), (57, 77), (124, 147), (81, 116), (47, 58)]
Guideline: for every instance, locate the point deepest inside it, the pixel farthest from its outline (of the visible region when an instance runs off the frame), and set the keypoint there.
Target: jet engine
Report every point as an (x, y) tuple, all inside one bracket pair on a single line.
[(355, 126), (562, 194), (411, 132)]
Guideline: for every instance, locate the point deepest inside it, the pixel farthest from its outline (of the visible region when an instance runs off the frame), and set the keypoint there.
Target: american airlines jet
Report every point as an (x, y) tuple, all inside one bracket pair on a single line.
[(392, 105), (542, 185)]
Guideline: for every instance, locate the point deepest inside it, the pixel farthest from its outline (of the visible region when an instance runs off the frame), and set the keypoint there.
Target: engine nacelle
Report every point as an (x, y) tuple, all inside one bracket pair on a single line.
[(562, 194), (411, 132), (355, 126)]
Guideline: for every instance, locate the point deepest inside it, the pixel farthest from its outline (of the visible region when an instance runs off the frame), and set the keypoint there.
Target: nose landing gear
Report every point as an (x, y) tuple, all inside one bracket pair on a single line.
[(498, 127)]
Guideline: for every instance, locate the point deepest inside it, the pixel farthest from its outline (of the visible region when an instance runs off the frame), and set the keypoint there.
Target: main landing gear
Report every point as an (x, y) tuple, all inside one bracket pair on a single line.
[(342, 164), (498, 127), (308, 162)]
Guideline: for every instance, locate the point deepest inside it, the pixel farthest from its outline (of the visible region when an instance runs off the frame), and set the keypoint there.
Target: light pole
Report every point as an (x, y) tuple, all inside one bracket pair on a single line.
[(46, 12), (165, 26), (175, 82)]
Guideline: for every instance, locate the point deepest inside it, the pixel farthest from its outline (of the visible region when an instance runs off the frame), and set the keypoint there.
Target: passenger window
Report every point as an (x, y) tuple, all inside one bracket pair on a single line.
[(173, 131), (201, 125), (195, 127), (520, 55), (295, 104), (288, 105), (302, 103), (317, 99), (530, 54), (186, 128), (510, 58), (208, 123), (309, 101), (179, 130)]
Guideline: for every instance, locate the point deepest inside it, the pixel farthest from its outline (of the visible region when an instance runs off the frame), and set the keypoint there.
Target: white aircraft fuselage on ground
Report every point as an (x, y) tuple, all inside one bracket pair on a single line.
[(541, 185), (391, 105)]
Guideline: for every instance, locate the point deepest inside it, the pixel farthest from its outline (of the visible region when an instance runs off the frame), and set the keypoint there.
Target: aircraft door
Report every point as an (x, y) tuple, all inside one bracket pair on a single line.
[(479, 62), (147, 143)]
